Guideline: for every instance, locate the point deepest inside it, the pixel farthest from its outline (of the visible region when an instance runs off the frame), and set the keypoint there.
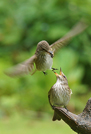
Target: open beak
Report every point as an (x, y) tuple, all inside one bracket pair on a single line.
[(51, 53), (56, 74), (59, 73)]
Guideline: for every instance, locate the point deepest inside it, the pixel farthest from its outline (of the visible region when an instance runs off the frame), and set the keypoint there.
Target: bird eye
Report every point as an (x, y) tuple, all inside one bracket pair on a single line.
[(64, 76), (43, 48)]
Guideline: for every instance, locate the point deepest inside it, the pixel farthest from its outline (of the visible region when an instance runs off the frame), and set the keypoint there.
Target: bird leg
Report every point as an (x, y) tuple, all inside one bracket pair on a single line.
[(66, 108), (44, 73)]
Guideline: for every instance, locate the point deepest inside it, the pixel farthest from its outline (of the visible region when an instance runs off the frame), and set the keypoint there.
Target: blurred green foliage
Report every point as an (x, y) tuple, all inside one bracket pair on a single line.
[(22, 25)]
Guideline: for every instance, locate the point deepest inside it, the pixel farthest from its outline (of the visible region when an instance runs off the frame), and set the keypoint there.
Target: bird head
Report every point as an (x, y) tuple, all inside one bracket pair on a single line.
[(44, 47), (61, 77)]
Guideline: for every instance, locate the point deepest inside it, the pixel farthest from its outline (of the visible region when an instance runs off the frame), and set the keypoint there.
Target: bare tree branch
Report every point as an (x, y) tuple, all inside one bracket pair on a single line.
[(79, 123)]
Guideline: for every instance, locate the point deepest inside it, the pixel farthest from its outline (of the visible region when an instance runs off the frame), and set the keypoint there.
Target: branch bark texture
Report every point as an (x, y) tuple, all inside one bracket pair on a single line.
[(79, 123)]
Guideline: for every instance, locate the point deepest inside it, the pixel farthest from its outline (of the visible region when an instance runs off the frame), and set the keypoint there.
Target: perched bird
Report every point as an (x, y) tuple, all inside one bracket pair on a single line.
[(43, 57), (59, 94)]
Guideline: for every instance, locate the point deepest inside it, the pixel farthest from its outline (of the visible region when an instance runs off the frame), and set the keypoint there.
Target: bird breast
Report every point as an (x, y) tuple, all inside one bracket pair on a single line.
[(48, 61), (44, 62), (60, 95)]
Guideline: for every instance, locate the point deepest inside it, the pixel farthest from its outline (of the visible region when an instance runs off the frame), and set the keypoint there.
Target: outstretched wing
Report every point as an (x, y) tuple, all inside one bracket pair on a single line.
[(22, 68), (77, 29)]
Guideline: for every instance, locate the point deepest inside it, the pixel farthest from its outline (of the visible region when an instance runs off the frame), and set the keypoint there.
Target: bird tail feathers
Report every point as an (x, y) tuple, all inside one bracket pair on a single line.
[(56, 117)]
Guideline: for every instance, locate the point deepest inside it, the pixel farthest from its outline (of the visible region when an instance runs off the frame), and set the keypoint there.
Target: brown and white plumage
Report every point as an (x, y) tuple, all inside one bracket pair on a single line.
[(43, 57), (60, 93)]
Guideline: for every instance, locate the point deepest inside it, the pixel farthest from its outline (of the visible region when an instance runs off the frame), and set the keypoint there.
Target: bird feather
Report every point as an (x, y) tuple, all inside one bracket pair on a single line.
[(22, 68), (77, 29)]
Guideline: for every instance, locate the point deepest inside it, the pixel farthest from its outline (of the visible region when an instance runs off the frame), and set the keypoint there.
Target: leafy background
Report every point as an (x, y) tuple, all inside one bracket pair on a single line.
[(22, 25)]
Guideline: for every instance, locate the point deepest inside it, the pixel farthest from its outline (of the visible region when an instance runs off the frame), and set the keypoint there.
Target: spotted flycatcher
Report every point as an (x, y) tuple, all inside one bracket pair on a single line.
[(59, 94), (43, 57)]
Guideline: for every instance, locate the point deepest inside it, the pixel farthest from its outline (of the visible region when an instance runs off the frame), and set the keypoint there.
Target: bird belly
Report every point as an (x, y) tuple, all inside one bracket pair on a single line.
[(48, 62), (59, 96), (44, 62)]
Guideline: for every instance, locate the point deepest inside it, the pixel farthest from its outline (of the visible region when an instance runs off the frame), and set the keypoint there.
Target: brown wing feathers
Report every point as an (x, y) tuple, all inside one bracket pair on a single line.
[(77, 29), (22, 68)]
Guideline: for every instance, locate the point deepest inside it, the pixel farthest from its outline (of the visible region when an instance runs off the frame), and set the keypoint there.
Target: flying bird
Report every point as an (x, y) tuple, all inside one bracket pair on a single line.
[(59, 94), (43, 57)]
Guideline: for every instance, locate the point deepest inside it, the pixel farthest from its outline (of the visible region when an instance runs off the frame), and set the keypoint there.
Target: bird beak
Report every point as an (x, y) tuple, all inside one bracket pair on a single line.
[(51, 53), (56, 74), (60, 71)]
